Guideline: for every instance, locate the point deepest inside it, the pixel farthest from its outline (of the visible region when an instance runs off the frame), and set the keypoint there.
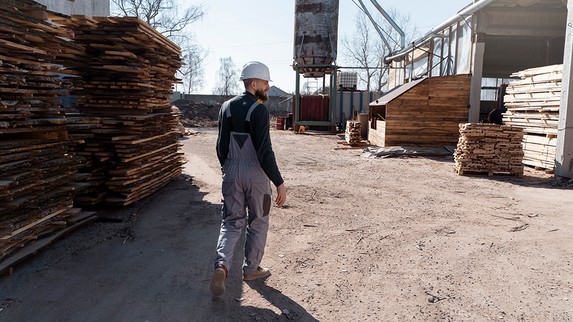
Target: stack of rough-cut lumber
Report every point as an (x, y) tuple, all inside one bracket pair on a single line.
[(126, 79), (92, 170), (533, 104), (35, 172), (353, 133), (489, 149)]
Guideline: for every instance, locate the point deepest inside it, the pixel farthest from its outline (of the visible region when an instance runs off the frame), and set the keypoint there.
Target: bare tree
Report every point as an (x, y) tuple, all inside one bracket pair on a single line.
[(164, 16), (228, 78), (361, 50), (366, 49), (170, 20), (410, 32), (192, 71)]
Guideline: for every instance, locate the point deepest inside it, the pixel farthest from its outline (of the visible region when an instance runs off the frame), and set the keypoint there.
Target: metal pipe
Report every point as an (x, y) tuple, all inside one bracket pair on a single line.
[(448, 22), (296, 100), (341, 107), (332, 98), (353, 67), (352, 105), (300, 48), (375, 25), (392, 22)]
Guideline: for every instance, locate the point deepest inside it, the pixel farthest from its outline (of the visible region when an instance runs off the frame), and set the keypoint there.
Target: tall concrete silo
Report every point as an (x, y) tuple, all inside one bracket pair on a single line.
[(315, 36), (315, 49)]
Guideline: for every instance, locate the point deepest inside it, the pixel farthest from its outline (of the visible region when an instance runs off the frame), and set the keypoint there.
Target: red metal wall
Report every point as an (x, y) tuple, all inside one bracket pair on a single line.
[(313, 108)]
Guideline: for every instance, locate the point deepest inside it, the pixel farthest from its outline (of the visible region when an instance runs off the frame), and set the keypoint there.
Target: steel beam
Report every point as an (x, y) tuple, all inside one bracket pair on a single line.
[(564, 154)]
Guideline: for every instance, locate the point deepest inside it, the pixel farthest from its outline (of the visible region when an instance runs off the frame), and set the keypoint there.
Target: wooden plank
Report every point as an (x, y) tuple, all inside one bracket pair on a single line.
[(36, 222), (27, 251)]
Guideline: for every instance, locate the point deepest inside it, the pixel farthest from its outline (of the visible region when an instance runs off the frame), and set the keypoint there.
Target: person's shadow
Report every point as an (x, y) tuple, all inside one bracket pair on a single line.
[(229, 308), (289, 308)]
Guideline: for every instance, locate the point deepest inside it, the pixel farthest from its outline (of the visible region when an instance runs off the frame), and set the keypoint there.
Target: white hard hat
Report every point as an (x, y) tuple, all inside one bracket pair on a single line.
[(255, 69)]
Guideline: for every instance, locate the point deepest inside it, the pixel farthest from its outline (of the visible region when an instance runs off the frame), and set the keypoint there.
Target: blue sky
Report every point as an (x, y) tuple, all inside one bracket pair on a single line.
[(264, 30)]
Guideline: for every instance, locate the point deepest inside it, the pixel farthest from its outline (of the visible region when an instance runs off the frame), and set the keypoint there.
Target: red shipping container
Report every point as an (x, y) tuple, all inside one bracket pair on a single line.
[(312, 108)]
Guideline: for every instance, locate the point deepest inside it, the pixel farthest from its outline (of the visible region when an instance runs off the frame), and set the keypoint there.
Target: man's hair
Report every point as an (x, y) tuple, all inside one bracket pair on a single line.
[(247, 82)]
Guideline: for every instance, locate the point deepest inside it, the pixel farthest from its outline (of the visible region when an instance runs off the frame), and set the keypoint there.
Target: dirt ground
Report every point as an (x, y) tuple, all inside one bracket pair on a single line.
[(380, 239)]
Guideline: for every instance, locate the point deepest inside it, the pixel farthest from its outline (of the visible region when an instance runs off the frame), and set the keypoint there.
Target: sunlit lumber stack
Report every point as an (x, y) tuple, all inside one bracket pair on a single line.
[(423, 112), (353, 133), (35, 171), (489, 149), (533, 104), (127, 76), (539, 151)]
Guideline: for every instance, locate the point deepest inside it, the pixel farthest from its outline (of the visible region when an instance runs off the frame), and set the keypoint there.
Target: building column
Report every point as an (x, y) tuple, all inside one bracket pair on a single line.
[(475, 86), (564, 155)]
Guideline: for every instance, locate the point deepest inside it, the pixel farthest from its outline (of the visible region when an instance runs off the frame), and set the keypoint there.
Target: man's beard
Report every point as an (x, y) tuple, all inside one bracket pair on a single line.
[(261, 95)]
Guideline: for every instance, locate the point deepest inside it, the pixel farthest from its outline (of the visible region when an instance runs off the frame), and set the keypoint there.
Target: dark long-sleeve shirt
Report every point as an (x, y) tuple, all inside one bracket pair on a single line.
[(258, 128)]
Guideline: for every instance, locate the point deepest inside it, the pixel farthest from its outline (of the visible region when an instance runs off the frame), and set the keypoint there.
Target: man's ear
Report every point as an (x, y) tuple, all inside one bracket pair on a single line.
[(253, 84)]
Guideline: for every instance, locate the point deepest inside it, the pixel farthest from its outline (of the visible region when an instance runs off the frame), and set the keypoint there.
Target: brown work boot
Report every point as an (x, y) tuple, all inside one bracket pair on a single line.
[(218, 280), (261, 272)]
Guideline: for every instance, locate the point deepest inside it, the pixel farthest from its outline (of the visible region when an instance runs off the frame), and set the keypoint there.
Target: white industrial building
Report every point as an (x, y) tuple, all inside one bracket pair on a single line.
[(490, 40), (92, 8)]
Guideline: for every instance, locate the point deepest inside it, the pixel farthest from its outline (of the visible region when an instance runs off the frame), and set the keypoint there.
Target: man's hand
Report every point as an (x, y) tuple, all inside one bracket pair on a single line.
[(281, 195)]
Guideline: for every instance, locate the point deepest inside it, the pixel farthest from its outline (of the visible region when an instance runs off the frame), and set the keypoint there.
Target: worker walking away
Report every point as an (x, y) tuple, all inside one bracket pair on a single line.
[(248, 163)]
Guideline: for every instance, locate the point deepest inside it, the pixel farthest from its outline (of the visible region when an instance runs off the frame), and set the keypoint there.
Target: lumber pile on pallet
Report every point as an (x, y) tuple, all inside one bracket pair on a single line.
[(532, 104), (125, 80), (353, 132), (36, 174), (489, 149)]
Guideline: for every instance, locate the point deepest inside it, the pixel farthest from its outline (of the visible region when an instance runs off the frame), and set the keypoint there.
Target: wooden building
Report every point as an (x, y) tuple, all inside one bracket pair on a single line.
[(425, 112), (489, 39)]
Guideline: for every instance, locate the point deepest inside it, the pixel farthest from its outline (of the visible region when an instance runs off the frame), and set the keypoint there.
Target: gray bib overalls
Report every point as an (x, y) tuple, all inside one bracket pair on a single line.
[(246, 200)]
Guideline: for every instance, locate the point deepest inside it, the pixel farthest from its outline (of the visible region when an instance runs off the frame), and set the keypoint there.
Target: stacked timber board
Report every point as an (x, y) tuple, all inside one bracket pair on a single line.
[(125, 79), (489, 149), (353, 132), (425, 113), (532, 104), (92, 169), (36, 194)]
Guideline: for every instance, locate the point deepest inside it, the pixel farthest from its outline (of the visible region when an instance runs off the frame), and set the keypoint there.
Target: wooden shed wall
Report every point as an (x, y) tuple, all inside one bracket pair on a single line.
[(426, 115)]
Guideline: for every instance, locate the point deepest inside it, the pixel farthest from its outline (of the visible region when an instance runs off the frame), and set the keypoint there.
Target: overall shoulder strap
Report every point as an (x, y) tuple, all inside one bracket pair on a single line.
[(248, 125), (251, 109), (226, 113), (226, 109)]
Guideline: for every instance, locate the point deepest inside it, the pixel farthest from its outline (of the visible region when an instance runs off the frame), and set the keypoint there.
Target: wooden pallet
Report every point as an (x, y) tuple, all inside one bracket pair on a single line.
[(463, 172)]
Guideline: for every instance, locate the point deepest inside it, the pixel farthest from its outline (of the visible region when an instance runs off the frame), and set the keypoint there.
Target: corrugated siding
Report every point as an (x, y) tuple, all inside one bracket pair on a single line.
[(313, 108)]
